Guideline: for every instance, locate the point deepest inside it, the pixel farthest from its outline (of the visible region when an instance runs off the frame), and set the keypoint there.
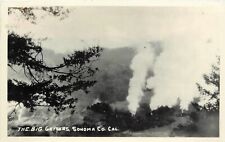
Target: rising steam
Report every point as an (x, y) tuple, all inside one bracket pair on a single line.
[(141, 64), (176, 71)]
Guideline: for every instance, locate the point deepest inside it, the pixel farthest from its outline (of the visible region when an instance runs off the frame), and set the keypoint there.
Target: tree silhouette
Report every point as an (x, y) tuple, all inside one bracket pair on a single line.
[(28, 13), (48, 86), (211, 79), (142, 120)]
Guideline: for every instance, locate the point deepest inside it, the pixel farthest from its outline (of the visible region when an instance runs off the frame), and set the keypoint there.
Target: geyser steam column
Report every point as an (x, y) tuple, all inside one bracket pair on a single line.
[(141, 64), (176, 70)]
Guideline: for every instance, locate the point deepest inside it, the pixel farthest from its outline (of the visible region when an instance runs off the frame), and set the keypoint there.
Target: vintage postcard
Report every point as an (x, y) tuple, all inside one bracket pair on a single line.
[(112, 71)]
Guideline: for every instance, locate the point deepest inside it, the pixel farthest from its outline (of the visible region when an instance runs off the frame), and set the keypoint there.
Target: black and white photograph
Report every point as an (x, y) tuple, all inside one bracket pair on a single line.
[(114, 71)]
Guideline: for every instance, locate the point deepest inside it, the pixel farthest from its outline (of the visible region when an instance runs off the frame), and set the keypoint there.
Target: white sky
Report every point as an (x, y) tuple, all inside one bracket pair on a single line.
[(113, 27)]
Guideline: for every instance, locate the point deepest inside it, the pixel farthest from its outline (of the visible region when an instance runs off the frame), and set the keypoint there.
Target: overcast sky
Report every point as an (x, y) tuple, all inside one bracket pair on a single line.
[(113, 27)]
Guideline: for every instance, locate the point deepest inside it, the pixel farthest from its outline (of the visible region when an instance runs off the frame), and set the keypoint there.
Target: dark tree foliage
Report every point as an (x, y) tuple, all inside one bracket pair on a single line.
[(49, 86), (211, 79), (29, 12), (124, 120), (200, 115)]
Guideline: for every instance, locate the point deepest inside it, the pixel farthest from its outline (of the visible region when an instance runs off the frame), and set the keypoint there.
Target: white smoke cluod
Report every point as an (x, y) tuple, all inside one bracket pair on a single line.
[(141, 63), (177, 70)]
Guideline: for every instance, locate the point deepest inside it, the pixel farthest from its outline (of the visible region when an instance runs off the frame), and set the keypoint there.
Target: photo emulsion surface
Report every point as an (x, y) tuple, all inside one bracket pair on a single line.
[(114, 71)]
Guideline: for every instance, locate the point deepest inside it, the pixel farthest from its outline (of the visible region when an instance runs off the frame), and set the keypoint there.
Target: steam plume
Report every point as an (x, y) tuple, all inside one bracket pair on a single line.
[(141, 63), (177, 70)]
